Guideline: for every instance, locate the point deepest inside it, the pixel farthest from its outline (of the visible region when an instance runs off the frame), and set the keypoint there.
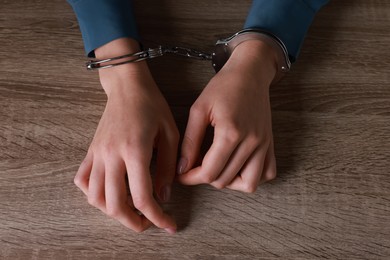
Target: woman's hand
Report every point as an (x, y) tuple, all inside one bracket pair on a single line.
[(136, 120), (236, 103)]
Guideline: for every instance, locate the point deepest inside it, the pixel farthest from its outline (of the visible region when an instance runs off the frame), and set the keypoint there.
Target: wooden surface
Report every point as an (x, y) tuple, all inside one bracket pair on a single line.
[(330, 119)]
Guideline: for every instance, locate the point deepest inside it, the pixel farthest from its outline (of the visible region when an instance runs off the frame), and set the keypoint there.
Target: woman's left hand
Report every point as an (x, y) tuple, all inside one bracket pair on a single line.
[(236, 103)]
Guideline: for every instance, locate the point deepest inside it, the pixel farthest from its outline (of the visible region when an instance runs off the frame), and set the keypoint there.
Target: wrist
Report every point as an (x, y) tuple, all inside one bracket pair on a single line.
[(130, 77), (255, 58), (117, 47)]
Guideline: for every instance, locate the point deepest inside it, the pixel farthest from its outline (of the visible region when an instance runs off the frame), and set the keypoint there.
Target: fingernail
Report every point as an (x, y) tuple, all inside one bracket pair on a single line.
[(165, 193), (171, 230), (181, 165)]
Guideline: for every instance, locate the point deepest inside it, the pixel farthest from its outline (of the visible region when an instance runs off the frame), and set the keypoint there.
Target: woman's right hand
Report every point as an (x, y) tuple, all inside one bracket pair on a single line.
[(136, 120)]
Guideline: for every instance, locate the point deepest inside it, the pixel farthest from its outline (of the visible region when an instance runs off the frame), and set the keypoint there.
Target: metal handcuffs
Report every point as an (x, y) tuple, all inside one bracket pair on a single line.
[(223, 50)]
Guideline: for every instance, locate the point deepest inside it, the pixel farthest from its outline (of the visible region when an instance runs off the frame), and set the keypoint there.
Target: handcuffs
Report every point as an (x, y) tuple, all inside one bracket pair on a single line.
[(222, 51)]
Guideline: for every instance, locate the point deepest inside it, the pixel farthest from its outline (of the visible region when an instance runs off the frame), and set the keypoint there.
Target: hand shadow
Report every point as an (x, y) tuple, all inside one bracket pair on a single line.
[(180, 79)]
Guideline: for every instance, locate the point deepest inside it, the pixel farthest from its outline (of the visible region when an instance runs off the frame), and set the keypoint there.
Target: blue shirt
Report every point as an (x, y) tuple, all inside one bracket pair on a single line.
[(102, 21)]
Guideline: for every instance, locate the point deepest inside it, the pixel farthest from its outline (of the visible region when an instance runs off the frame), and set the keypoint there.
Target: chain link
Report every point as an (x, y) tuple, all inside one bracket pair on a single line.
[(187, 52)]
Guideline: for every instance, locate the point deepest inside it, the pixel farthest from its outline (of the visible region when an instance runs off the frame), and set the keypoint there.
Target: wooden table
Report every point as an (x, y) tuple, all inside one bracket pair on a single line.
[(331, 121)]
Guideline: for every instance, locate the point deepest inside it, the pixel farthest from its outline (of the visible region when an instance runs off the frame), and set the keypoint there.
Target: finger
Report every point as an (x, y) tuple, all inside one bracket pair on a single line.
[(250, 174), (235, 163), (141, 188), (193, 138), (166, 163), (224, 143), (96, 194), (116, 198), (81, 179), (130, 201), (269, 171)]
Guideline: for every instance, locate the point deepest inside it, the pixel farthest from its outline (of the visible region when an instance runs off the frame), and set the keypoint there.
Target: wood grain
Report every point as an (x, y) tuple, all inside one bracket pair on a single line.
[(331, 128)]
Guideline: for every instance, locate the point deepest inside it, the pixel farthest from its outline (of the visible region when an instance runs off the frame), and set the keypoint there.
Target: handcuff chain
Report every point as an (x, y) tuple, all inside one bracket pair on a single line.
[(187, 52), (148, 54)]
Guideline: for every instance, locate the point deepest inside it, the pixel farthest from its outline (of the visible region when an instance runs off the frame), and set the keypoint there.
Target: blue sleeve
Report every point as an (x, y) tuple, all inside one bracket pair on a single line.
[(102, 21), (289, 20)]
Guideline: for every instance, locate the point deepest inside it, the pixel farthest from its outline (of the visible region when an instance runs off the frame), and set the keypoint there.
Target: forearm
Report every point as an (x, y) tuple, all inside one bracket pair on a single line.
[(287, 19), (102, 21)]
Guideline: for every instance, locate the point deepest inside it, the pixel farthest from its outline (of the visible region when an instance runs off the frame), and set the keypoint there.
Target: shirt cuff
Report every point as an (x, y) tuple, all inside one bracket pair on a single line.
[(102, 21), (289, 20)]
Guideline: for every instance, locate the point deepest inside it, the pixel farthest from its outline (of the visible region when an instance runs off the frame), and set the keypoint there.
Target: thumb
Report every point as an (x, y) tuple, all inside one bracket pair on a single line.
[(193, 139), (166, 163)]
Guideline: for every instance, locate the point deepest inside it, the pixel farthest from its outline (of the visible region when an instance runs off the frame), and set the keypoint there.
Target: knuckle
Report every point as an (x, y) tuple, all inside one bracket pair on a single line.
[(232, 134), (108, 149), (133, 150), (133, 141), (138, 229), (128, 150), (86, 160), (77, 180), (218, 185), (196, 110), (254, 139), (270, 175), (207, 178), (250, 188), (94, 201), (140, 202), (90, 152), (113, 210)]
